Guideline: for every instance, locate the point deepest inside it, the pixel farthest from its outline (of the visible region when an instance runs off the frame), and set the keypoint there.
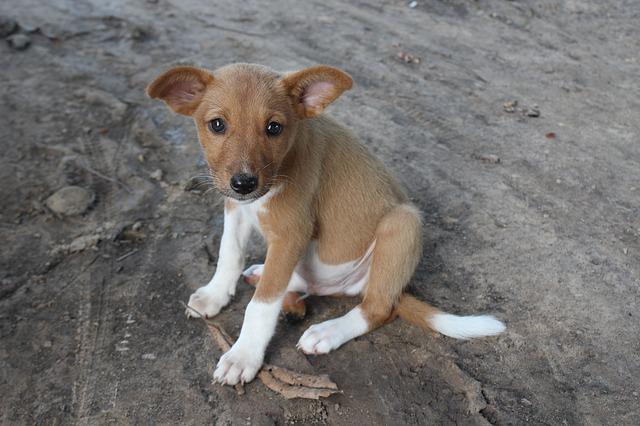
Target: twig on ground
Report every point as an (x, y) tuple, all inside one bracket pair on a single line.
[(105, 177), (124, 256), (289, 384), (224, 346)]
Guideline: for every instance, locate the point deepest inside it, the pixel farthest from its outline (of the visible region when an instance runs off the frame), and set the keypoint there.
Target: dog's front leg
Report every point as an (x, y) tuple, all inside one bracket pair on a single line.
[(208, 300), (244, 359)]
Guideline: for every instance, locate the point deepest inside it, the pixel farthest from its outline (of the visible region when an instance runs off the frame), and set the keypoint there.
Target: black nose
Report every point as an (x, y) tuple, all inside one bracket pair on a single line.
[(243, 183)]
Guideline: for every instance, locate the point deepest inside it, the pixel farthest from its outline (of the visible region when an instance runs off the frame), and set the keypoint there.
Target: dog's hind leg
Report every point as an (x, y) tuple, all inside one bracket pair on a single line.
[(397, 253), (293, 305)]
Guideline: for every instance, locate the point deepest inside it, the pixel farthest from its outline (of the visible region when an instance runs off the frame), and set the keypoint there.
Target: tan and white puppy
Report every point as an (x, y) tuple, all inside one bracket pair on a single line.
[(334, 219)]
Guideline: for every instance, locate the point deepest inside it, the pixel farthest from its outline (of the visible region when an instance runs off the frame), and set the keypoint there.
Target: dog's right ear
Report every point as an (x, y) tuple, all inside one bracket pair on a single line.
[(181, 88)]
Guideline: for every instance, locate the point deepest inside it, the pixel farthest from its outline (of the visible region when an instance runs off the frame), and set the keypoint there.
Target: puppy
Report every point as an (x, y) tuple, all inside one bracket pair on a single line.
[(335, 220)]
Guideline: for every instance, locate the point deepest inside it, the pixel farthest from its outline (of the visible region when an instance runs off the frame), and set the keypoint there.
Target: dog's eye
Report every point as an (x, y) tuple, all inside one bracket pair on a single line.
[(274, 128), (217, 125)]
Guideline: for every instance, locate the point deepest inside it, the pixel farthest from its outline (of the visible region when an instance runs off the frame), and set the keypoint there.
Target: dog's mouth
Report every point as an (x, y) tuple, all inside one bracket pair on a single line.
[(245, 198)]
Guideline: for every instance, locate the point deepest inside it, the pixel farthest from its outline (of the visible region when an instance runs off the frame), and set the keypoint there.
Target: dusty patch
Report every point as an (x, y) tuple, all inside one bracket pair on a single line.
[(515, 132)]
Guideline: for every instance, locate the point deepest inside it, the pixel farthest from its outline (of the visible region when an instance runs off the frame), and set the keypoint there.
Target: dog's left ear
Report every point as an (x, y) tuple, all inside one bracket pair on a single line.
[(181, 88), (312, 89)]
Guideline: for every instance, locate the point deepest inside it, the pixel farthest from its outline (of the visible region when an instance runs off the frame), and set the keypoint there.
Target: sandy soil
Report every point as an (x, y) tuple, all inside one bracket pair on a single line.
[(547, 238)]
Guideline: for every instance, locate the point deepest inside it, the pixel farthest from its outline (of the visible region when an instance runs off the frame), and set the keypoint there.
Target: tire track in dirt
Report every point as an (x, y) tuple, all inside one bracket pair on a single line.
[(88, 393), (90, 317), (87, 334)]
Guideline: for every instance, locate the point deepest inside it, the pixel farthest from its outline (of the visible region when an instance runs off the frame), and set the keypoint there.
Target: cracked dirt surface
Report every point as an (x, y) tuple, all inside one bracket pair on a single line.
[(548, 238)]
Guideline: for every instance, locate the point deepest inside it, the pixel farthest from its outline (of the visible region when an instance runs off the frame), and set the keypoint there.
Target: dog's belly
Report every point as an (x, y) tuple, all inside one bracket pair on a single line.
[(315, 277)]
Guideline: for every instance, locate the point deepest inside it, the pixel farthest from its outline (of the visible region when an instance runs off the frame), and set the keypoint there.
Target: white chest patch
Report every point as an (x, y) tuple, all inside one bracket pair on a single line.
[(250, 211)]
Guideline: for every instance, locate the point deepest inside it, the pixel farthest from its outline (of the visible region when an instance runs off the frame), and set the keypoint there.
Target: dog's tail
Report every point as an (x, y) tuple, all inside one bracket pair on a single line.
[(426, 316)]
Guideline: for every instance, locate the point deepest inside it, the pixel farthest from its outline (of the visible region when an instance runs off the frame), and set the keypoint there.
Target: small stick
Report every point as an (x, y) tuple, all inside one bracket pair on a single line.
[(102, 176), (224, 345), (218, 337), (124, 256), (221, 340)]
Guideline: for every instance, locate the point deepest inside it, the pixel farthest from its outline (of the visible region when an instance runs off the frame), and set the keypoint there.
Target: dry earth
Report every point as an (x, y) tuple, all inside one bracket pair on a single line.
[(547, 238)]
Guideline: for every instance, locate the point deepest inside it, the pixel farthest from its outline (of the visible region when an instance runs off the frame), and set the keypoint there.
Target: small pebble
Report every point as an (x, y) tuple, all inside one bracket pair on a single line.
[(448, 223), (149, 356), (413, 4), (408, 58), (19, 41), (510, 106), (70, 200), (489, 158), (526, 402), (534, 111), (139, 34), (157, 174)]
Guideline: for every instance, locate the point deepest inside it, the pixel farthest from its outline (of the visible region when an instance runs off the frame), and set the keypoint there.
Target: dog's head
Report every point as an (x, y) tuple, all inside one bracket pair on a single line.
[(247, 117)]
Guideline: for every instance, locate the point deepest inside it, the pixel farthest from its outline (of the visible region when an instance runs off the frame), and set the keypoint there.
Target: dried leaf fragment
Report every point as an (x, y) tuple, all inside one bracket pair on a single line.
[(299, 379), (292, 391)]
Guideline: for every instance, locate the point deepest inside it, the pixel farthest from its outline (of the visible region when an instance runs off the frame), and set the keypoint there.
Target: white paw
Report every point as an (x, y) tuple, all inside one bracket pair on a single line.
[(239, 364), (207, 302), (322, 338), (253, 270)]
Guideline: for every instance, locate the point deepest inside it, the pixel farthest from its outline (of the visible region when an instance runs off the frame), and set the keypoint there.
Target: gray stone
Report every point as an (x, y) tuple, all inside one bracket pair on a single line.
[(71, 200), (19, 41)]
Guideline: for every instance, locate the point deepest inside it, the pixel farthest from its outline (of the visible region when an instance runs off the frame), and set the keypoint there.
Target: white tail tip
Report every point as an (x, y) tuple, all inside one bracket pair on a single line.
[(466, 327)]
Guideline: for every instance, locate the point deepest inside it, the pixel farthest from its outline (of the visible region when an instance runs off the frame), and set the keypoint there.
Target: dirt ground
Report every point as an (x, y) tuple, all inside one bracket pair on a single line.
[(547, 238)]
